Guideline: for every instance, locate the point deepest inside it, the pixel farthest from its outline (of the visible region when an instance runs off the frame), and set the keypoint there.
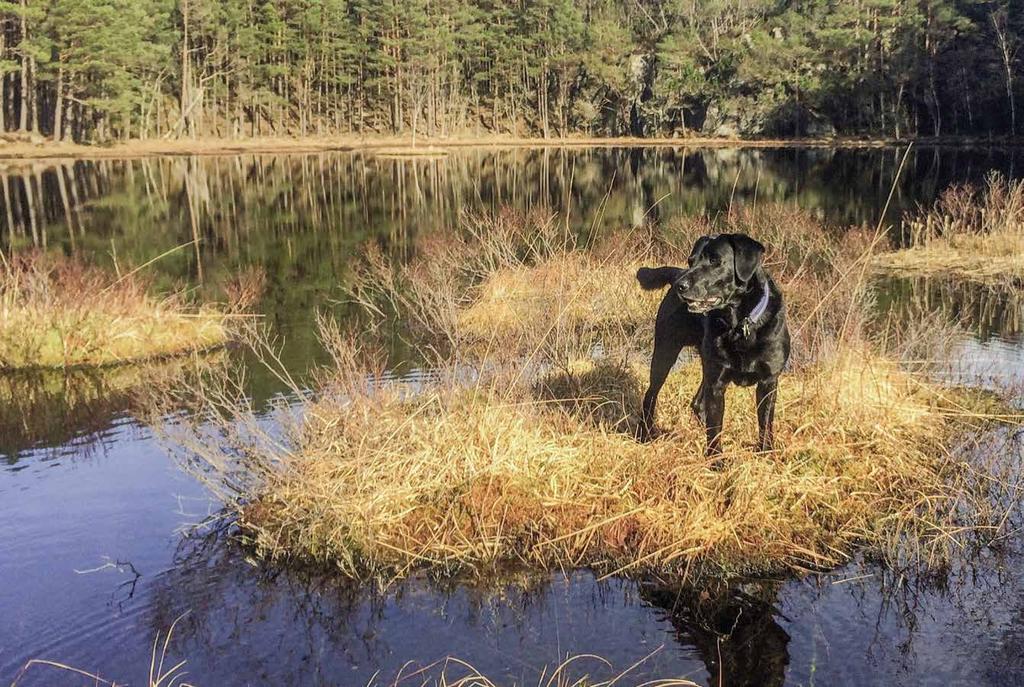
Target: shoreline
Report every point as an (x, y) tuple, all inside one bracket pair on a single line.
[(401, 146)]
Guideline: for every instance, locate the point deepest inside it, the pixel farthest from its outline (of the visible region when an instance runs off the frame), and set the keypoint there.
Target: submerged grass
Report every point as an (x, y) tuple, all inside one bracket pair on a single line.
[(519, 449), (576, 670), (973, 233), (57, 312)]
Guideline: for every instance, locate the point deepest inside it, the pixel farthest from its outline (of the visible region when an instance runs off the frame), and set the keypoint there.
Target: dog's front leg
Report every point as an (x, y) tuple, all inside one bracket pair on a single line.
[(766, 394), (697, 405), (714, 409)]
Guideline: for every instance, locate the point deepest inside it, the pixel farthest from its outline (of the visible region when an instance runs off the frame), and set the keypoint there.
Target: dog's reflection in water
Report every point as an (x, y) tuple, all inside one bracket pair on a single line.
[(733, 628)]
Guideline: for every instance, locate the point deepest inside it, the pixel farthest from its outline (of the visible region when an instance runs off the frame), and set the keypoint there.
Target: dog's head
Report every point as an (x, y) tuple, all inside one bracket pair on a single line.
[(719, 270)]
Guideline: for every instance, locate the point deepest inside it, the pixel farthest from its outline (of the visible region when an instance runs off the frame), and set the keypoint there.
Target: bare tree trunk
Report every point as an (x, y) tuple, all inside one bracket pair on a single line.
[(3, 79), (32, 103), (1008, 48), (186, 76), (58, 108), (23, 112)]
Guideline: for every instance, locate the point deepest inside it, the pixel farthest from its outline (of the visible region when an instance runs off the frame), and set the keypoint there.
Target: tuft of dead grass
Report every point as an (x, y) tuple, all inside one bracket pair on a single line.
[(514, 299), (578, 670), (518, 448), (58, 313), (973, 233)]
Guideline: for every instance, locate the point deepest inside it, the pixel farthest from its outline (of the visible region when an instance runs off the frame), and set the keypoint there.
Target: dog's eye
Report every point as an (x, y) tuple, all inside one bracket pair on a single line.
[(716, 261)]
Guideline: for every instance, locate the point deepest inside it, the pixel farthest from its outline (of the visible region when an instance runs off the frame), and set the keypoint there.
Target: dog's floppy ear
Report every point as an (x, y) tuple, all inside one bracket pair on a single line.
[(747, 255)]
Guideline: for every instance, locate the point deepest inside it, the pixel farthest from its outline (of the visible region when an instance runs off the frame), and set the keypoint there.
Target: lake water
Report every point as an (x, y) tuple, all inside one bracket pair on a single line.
[(91, 507)]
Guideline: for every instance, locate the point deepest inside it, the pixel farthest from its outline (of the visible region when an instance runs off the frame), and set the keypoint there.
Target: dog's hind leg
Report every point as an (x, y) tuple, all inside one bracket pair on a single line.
[(666, 350), (766, 394)]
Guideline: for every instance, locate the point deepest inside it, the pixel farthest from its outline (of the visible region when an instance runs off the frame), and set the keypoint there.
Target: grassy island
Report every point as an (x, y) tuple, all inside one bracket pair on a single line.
[(970, 233), (517, 446), (57, 312)]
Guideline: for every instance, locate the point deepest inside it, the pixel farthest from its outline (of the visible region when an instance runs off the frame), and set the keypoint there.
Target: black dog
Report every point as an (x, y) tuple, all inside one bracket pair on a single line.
[(725, 305)]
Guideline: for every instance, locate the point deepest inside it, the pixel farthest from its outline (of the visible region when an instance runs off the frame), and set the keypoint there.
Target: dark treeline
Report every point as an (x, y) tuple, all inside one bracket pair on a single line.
[(98, 70)]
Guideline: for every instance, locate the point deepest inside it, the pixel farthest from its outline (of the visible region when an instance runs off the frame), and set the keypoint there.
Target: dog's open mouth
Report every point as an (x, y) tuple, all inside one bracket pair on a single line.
[(701, 305)]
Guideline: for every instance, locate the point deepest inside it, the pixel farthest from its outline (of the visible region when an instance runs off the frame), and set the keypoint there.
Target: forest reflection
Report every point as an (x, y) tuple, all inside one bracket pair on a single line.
[(986, 311), (245, 207)]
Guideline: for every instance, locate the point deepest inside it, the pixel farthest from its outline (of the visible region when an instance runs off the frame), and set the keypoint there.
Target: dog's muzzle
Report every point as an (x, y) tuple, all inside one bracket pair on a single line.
[(702, 305)]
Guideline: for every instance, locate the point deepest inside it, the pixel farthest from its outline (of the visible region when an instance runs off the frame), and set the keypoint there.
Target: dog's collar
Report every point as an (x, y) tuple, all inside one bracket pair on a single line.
[(757, 314)]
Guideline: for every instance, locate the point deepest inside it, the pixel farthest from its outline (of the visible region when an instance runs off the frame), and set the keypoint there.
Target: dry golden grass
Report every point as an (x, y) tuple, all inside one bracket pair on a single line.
[(580, 670), (58, 313), (459, 478), (977, 235), (604, 297), (519, 449)]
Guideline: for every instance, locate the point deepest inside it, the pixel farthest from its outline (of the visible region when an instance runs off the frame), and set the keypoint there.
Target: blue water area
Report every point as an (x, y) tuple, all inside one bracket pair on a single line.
[(95, 515)]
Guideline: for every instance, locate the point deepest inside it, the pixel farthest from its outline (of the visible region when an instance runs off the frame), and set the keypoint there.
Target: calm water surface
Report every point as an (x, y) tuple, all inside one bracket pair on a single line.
[(91, 507)]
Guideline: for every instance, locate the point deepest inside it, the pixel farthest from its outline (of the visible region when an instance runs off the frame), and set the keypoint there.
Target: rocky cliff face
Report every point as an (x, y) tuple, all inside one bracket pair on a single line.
[(748, 117)]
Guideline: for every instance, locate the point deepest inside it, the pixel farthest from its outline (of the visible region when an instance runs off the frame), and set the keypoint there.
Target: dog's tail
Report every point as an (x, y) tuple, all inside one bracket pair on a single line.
[(651, 278)]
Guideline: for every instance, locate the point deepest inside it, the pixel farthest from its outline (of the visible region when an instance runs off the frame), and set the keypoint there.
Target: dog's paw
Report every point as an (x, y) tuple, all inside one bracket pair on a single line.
[(644, 434)]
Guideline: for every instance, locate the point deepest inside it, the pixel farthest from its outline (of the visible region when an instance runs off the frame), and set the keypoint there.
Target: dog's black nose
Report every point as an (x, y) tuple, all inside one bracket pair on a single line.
[(683, 284)]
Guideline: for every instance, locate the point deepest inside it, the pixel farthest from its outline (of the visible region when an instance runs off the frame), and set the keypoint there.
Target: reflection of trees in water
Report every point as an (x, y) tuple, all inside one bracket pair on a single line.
[(75, 409), (51, 408), (247, 207), (985, 311)]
